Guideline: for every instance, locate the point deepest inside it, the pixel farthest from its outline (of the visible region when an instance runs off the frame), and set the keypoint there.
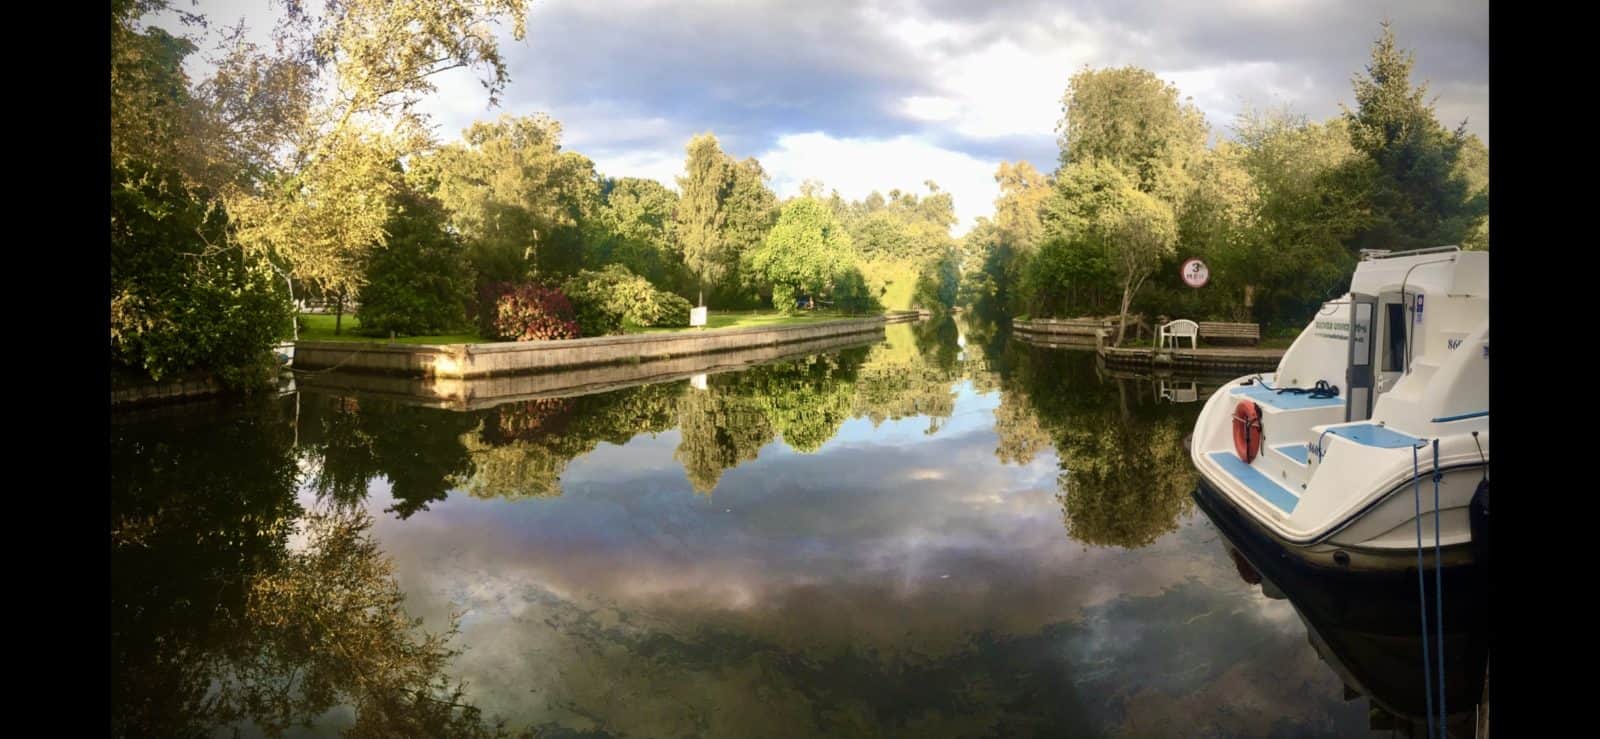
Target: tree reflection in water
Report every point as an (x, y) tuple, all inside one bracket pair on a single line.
[(1123, 481), (1125, 478), (221, 618), (234, 605)]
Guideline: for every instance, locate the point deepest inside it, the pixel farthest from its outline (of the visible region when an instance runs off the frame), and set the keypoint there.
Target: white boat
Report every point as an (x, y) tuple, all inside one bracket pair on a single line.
[(1342, 478)]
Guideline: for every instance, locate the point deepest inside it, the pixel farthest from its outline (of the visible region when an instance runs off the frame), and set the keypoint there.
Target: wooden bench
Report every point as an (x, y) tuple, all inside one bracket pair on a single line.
[(1245, 332)]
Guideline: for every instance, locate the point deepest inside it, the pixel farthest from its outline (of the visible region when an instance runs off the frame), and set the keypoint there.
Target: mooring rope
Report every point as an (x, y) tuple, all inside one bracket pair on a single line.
[(1422, 590), (1438, 583)]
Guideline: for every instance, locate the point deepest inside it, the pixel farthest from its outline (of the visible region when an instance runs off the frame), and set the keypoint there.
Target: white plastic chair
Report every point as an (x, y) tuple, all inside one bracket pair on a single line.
[(1179, 329)]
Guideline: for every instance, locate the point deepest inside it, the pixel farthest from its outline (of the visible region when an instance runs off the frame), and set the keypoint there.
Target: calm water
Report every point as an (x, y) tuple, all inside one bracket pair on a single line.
[(944, 534)]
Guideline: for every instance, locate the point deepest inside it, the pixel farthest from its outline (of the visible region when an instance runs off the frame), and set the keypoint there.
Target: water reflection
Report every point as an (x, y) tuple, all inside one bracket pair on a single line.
[(220, 617), (1368, 632), (945, 533)]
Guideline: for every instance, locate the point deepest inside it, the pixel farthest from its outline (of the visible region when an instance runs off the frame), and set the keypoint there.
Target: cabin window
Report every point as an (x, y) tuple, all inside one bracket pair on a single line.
[(1394, 334)]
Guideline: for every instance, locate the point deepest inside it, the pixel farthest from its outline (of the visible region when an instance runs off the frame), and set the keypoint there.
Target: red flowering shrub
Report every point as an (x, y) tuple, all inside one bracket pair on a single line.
[(534, 313)]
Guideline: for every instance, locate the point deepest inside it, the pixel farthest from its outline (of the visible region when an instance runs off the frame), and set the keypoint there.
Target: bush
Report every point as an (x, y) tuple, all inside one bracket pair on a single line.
[(533, 312), (665, 309), (178, 306), (608, 299)]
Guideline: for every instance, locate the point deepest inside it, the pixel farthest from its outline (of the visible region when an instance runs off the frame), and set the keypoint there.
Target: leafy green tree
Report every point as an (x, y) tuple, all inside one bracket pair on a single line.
[(418, 283), (805, 252), (1132, 120), (178, 304), (183, 298), (723, 215), (1101, 220), (319, 117), (853, 295), (637, 228), (515, 197), (1419, 195), (701, 215), (1473, 166), (1216, 223), (752, 210), (899, 239), (1019, 211), (1309, 200)]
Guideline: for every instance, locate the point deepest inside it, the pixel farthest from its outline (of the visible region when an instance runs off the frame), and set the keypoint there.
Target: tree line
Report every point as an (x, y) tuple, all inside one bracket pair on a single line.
[(1280, 213), (304, 171)]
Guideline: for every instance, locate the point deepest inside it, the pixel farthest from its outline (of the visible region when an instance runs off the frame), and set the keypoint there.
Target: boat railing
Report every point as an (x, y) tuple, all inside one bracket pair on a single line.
[(1369, 254)]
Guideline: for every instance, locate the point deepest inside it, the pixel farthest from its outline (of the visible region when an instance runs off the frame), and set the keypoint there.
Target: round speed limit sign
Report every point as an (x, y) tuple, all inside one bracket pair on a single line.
[(1195, 273)]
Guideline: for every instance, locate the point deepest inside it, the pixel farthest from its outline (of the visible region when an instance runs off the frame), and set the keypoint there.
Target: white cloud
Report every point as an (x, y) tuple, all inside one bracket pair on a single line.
[(856, 167)]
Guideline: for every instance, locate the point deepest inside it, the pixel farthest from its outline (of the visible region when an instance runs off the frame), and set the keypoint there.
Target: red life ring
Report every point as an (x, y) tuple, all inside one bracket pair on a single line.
[(1247, 430)]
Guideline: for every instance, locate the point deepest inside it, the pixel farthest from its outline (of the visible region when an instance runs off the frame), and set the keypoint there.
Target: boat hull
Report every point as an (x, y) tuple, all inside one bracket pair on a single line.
[(1325, 557)]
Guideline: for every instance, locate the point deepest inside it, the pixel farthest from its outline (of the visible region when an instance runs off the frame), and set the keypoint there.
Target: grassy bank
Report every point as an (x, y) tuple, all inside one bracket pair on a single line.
[(746, 319), (319, 327)]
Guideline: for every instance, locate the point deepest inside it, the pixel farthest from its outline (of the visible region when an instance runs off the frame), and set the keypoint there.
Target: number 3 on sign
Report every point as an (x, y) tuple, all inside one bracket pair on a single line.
[(1195, 273)]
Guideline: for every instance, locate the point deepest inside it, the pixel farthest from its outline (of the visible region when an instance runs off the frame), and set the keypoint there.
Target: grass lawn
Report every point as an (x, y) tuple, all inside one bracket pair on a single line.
[(746, 319), (319, 327)]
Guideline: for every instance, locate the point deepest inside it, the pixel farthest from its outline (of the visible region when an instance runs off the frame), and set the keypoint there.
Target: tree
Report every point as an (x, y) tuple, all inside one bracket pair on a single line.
[(418, 284), (751, 210), (180, 299), (899, 239), (701, 216), (1018, 213), (1101, 207), (804, 253), (320, 117), (517, 199), (1128, 148), (176, 305), (1216, 223), (1419, 196), (1131, 119), (636, 228)]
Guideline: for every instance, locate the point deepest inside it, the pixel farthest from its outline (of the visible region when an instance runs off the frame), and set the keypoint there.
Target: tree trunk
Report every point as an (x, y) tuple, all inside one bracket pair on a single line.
[(338, 313), (294, 324), (1122, 319)]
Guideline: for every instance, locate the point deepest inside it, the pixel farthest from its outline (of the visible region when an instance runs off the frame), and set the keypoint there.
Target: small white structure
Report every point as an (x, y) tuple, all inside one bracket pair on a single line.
[(697, 316), (1333, 456), (1180, 392), (1182, 328)]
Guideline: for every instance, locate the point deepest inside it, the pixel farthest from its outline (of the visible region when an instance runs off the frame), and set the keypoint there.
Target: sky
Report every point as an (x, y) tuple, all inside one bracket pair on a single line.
[(880, 94)]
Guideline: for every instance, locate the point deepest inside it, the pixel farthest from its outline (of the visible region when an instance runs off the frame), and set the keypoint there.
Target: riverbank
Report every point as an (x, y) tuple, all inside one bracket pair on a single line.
[(129, 393), (472, 394), (463, 361), (1094, 335)]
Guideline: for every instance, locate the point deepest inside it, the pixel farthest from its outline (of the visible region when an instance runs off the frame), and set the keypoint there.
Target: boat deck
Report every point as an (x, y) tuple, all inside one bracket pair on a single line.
[(1279, 496)]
